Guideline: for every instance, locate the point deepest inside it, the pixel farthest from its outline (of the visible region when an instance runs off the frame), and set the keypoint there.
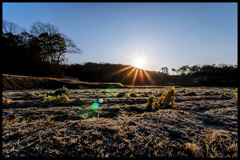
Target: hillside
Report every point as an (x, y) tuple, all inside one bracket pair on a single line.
[(117, 73), (17, 82), (206, 75)]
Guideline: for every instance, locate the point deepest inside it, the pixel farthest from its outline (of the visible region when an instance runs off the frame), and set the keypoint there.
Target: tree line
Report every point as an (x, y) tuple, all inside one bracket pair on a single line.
[(221, 74), (39, 52), (205, 75), (118, 73), (198, 70)]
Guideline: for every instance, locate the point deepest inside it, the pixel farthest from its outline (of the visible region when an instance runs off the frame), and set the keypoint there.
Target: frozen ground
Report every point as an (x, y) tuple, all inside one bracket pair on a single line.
[(198, 126)]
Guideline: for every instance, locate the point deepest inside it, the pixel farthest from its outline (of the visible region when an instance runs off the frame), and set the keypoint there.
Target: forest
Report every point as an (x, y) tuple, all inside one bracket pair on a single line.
[(205, 75), (42, 50)]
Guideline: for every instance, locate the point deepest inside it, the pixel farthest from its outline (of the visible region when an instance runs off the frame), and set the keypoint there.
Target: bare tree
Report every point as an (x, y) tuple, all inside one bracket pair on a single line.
[(9, 27), (39, 27), (71, 46)]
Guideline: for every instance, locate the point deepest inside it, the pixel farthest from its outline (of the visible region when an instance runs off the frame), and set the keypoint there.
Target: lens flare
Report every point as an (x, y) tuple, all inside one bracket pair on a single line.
[(95, 106), (100, 100), (111, 92)]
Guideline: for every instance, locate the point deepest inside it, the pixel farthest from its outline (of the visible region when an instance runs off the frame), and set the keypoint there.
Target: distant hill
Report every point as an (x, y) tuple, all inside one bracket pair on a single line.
[(206, 75), (125, 74), (102, 75)]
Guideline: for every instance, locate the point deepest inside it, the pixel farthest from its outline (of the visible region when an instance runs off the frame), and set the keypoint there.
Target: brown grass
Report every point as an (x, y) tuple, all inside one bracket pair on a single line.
[(198, 127)]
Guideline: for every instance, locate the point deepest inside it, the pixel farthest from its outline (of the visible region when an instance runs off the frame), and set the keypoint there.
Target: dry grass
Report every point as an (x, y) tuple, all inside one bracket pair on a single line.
[(198, 127), (219, 143), (6, 101)]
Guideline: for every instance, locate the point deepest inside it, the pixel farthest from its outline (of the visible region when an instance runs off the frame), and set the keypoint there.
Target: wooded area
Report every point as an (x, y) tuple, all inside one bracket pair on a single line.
[(206, 75), (38, 53), (42, 50)]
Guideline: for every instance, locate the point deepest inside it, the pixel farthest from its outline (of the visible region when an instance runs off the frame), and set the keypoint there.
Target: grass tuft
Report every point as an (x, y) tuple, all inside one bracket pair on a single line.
[(235, 93), (55, 100), (62, 90), (28, 95)]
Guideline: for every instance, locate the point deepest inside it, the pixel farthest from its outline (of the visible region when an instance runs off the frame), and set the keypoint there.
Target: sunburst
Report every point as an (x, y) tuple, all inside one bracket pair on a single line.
[(139, 62), (136, 71)]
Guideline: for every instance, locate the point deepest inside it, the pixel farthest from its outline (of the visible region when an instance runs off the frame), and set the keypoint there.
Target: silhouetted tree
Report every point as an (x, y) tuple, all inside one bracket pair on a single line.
[(9, 27), (38, 53), (174, 70), (183, 70), (194, 69), (164, 70), (54, 44)]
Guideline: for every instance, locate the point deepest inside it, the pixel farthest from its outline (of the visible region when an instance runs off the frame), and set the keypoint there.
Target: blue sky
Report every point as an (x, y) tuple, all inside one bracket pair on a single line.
[(166, 34)]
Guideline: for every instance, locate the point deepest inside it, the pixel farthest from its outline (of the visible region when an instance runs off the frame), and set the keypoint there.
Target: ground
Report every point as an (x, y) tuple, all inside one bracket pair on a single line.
[(197, 126)]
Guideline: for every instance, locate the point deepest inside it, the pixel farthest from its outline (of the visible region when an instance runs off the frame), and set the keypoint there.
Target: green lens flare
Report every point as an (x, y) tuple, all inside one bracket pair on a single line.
[(100, 100), (95, 106), (111, 92)]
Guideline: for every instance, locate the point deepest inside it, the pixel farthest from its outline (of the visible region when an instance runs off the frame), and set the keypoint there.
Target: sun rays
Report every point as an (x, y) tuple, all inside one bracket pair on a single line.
[(139, 62), (133, 74)]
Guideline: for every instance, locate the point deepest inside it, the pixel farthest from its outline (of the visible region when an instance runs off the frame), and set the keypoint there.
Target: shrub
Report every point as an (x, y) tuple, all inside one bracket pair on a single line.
[(28, 95), (168, 97), (61, 91), (151, 104), (55, 100)]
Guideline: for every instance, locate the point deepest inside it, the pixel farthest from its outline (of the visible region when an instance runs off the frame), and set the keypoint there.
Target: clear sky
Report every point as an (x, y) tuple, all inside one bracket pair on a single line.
[(166, 34)]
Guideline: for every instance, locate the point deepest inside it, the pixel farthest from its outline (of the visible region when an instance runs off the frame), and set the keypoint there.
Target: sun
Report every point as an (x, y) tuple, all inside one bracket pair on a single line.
[(139, 63), (136, 71)]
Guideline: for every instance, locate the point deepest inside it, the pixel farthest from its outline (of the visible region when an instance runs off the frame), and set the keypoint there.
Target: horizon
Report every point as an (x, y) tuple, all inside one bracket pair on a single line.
[(165, 34), (169, 69)]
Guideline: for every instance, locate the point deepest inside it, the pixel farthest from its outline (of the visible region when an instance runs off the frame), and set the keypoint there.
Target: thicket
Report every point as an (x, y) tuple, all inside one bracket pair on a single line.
[(39, 52)]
